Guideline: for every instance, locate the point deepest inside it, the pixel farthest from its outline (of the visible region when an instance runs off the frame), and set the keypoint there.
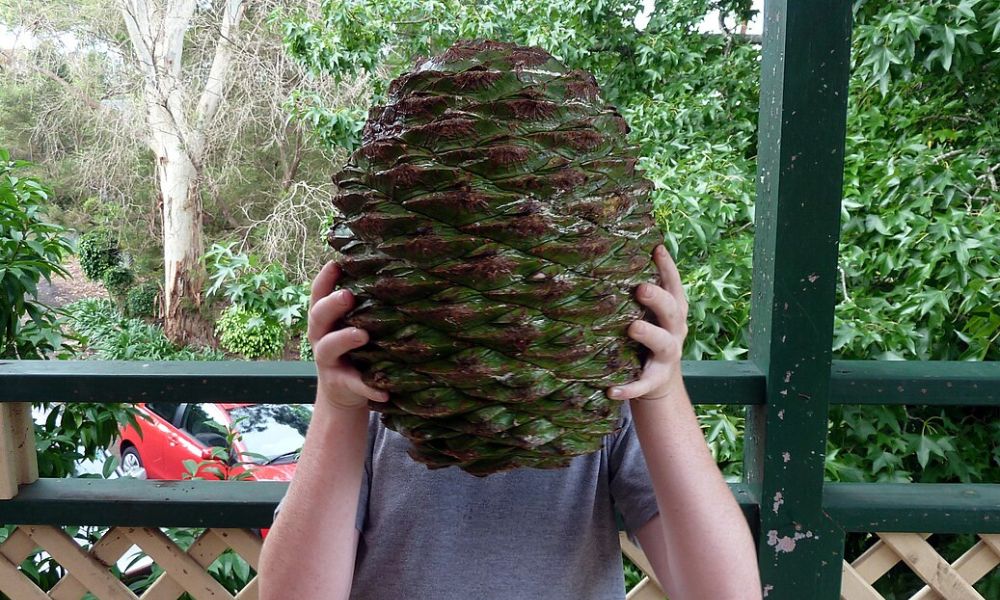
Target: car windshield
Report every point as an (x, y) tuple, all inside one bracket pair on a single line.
[(272, 430)]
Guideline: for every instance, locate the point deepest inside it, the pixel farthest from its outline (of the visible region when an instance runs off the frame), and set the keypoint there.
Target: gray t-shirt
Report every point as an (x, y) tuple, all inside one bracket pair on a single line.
[(523, 534)]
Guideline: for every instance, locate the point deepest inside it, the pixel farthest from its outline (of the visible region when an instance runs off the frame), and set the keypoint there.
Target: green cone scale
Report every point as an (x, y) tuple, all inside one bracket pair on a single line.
[(493, 228)]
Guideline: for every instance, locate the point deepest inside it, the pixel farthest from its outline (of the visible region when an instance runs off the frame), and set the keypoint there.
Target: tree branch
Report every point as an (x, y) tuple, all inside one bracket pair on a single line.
[(211, 96), (137, 24), (9, 58), (175, 24)]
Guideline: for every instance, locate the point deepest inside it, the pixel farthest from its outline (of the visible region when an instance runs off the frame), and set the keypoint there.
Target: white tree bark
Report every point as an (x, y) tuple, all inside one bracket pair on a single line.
[(176, 135)]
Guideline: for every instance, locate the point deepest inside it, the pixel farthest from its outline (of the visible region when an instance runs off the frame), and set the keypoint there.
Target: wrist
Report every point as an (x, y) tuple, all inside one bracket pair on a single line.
[(673, 392), (330, 405), (336, 392)]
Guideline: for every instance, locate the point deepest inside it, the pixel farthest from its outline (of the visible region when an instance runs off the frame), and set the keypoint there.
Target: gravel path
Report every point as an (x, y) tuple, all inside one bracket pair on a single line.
[(63, 291)]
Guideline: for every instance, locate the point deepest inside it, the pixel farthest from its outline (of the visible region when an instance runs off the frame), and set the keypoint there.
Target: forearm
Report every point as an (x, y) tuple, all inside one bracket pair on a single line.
[(310, 550), (711, 552)]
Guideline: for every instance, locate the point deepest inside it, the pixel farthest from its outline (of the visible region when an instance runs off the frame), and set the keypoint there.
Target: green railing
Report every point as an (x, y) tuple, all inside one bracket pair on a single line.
[(788, 384)]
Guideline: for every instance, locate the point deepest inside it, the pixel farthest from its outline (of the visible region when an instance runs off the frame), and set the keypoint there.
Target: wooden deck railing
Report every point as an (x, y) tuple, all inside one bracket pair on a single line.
[(136, 510)]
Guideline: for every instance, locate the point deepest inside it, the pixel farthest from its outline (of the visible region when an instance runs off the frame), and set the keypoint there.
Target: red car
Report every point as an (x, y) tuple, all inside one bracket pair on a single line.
[(266, 449)]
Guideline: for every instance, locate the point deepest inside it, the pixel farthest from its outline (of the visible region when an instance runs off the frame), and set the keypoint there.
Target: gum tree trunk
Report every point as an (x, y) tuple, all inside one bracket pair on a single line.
[(176, 135), (182, 245)]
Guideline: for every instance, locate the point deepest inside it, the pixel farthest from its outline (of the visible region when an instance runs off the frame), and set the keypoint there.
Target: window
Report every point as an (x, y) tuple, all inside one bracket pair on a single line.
[(204, 423), (167, 410)]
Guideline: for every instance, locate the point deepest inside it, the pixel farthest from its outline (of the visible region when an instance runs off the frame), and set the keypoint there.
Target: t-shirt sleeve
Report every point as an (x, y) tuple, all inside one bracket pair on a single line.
[(366, 477), (631, 487)]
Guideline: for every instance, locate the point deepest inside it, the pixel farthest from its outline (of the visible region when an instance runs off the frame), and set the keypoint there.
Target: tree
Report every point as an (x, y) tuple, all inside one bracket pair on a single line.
[(176, 111), (157, 30)]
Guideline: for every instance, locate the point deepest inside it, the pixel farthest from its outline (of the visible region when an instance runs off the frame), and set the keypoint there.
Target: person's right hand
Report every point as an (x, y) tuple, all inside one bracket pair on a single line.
[(339, 382)]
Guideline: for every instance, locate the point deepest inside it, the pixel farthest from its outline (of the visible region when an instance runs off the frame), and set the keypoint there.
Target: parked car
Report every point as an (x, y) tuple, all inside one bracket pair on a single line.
[(172, 435)]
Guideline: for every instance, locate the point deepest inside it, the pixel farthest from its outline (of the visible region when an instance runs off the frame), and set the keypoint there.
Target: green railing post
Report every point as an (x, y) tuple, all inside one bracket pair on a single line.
[(804, 76)]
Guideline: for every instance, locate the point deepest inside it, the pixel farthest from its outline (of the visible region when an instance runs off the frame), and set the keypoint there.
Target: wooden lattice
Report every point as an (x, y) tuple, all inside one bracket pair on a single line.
[(89, 571), (648, 588), (944, 581)]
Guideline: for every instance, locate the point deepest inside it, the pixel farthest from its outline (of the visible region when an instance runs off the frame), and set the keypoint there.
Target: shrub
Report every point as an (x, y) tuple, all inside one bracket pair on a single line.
[(101, 211), (305, 349), (30, 249), (117, 280), (140, 300), (262, 290), (99, 251), (110, 336), (266, 309), (251, 333)]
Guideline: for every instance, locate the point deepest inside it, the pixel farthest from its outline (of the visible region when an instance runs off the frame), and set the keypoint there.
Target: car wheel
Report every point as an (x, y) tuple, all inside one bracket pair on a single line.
[(131, 465)]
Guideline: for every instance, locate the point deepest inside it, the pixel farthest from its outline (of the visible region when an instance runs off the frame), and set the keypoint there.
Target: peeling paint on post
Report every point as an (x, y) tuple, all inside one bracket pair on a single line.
[(804, 75)]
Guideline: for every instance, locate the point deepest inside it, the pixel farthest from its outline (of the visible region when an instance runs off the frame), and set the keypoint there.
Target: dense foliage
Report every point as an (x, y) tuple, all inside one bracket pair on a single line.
[(31, 249), (266, 310), (118, 280), (98, 250), (250, 333), (141, 299), (920, 251)]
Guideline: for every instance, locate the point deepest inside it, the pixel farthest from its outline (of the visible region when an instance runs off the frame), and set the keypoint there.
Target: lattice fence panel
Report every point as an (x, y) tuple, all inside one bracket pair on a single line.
[(944, 581), (90, 570), (648, 588)]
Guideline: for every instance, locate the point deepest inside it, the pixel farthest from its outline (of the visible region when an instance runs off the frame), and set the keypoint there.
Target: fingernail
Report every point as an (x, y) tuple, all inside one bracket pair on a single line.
[(357, 335), (616, 392), (341, 296), (645, 292)]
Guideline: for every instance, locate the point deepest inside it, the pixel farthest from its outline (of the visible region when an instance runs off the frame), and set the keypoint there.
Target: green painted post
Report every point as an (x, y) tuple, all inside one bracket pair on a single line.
[(804, 75)]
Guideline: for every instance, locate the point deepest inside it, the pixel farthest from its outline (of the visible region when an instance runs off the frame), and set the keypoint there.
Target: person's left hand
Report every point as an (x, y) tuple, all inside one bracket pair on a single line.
[(665, 340)]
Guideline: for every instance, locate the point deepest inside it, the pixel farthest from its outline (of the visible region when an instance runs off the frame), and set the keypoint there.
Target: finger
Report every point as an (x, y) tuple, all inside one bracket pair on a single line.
[(356, 386), (639, 387), (670, 278), (663, 305), (323, 284), (332, 346), (327, 311), (663, 345)]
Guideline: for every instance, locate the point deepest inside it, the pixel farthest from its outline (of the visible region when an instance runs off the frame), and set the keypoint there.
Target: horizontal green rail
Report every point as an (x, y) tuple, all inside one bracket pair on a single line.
[(938, 508), (144, 503), (277, 382), (149, 503), (951, 383), (916, 507)]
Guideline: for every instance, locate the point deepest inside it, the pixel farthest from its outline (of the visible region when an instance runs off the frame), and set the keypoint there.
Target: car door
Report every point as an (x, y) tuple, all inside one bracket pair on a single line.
[(197, 423), (153, 446)]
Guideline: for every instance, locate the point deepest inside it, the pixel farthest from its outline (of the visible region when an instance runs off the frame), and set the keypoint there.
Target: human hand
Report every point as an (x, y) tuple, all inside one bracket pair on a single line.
[(338, 381), (665, 340)]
